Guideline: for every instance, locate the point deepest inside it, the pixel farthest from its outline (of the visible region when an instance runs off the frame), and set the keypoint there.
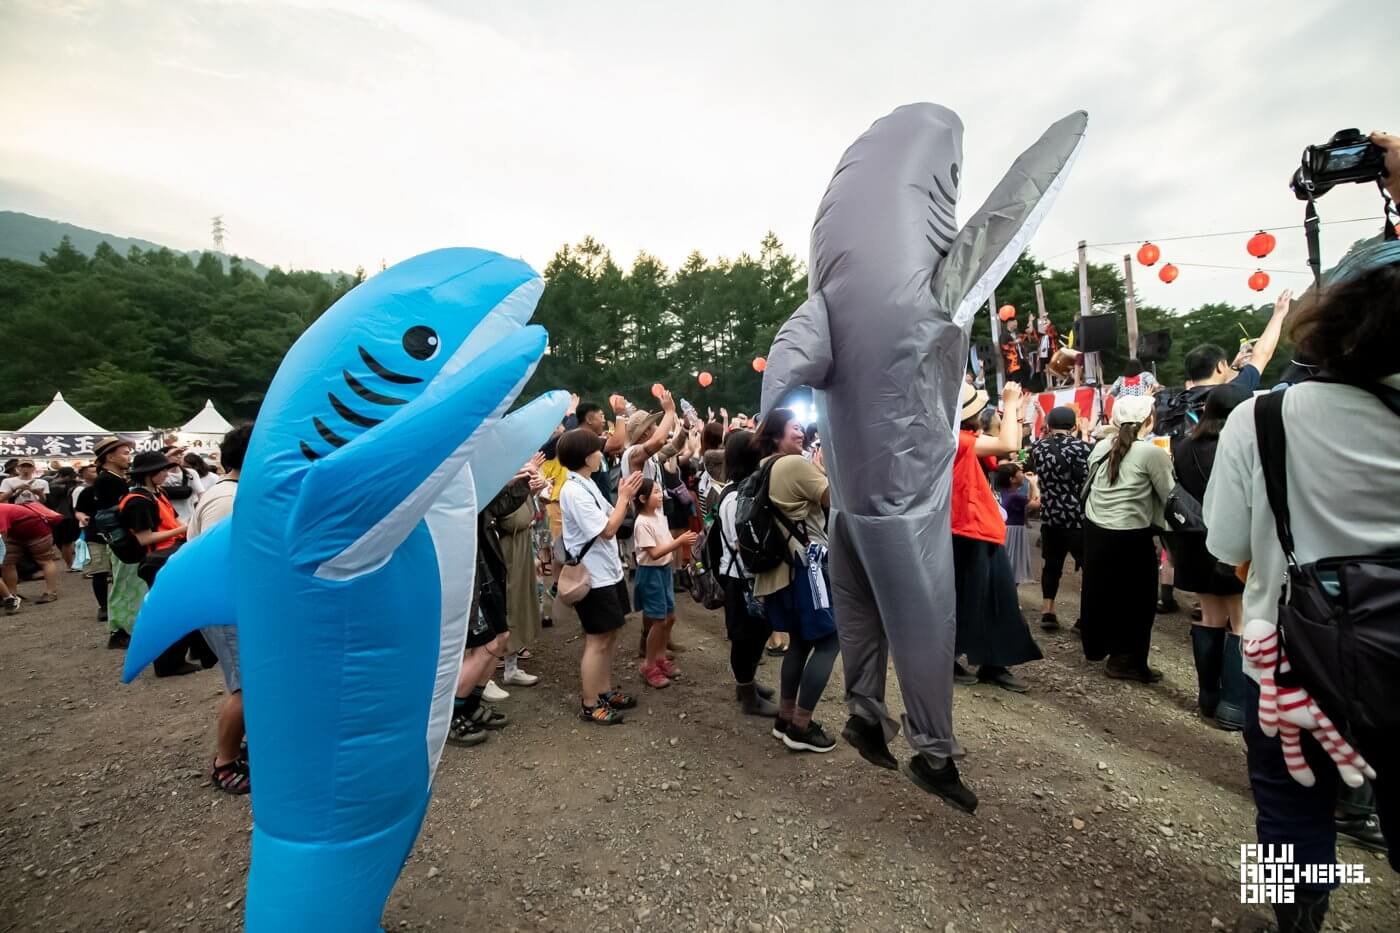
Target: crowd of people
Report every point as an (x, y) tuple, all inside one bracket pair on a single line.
[(625, 507)]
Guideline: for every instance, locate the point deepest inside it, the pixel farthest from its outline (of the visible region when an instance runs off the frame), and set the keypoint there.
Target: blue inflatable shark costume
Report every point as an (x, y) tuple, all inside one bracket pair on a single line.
[(348, 563)]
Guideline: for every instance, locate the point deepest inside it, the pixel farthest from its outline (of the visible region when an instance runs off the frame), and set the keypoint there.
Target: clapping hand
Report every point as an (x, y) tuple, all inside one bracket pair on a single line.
[(627, 489)]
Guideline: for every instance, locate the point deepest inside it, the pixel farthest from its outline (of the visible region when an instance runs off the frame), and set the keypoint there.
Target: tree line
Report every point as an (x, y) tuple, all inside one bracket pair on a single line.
[(142, 339)]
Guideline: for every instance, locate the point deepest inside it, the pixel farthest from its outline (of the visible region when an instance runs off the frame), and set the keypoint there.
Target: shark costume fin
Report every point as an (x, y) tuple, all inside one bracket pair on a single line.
[(989, 243), (196, 589), (361, 501), (801, 354)]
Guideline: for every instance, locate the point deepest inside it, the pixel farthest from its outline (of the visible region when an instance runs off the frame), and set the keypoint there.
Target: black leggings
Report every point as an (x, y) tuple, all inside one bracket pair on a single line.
[(100, 582), (806, 669), (747, 633), (1055, 544)]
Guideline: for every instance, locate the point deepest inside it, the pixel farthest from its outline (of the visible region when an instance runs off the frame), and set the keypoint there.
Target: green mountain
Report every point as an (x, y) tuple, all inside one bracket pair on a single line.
[(23, 237)]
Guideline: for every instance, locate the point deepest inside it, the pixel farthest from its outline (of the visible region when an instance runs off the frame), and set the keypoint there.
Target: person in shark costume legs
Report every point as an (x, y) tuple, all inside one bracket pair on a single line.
[(883, 339), (353, 543)]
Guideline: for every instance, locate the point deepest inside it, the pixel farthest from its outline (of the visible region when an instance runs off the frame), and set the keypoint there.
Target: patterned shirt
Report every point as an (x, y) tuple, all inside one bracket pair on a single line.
[(1062, 463)]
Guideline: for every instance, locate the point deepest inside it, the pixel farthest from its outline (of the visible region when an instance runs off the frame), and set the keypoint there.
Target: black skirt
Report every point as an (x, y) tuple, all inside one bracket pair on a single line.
[(1196, 569), (1119, 596), (991, 629)]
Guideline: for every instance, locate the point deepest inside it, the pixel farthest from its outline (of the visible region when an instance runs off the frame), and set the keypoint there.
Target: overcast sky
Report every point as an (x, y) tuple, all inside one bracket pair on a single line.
[(336, 133)]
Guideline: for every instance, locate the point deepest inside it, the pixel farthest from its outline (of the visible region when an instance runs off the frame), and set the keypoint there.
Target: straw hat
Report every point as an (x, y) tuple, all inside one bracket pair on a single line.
[(972, 401), (108, 444)]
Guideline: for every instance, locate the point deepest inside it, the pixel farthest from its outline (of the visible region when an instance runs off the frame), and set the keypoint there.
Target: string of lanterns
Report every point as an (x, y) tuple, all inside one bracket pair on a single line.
[(1258, 246)]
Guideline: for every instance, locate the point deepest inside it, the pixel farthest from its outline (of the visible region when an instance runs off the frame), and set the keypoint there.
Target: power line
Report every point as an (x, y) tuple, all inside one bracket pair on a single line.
[(1204, 236)]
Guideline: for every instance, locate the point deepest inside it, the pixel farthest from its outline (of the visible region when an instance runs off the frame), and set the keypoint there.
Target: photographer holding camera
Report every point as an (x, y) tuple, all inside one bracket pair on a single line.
[(1339, 494)]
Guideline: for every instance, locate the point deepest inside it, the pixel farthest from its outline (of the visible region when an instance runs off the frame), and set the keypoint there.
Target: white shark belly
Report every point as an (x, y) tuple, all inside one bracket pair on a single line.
[(452, 523)]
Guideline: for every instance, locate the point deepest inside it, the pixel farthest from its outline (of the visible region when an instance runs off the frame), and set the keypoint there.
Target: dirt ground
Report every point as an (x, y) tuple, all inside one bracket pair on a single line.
[(1104, 805)]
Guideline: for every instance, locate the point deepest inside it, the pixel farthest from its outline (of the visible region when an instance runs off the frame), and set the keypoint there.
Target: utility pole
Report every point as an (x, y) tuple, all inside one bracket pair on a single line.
[(218, 230), (1091, 360), (1132, 308), (996, 343)]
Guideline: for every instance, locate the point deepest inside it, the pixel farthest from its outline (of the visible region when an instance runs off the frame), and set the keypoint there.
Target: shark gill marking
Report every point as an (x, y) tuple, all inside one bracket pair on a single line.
[(949, 198), (329, 436), (383, 372), (308, 453), (350, 415), (368, 394)]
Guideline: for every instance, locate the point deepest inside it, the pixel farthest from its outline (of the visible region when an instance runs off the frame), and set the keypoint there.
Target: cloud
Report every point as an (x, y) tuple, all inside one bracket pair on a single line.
[(332, 133)]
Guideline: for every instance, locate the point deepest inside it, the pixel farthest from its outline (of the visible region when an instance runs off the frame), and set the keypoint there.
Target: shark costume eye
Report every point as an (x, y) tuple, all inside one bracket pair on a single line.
[(421, 343)]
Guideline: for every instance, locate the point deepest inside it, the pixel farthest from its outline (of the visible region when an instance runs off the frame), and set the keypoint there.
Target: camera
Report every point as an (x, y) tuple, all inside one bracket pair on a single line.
[(1347, 157)]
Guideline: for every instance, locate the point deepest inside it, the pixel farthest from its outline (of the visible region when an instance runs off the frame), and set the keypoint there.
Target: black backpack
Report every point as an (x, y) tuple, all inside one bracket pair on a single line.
[(120, 541), (1177, 411), (762, 530), (1338, 617)]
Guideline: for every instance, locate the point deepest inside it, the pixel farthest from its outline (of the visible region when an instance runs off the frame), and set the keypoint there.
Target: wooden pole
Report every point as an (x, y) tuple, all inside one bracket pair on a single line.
[(996, 343), (1132, 308), (1091, 360)]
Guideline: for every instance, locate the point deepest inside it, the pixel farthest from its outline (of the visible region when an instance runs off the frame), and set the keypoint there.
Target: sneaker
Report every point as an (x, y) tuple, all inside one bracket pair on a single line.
[(46, 598), (1123, 669), (518, 678), (1001, 677), (102, 615), (942, 782), (118, 639), (868, 739), (780, 727), (488, 717), (668, 667), (618, 700), (1363, 831), (1165, 606), (1049, 622), (655, 676), (12, 604), (464, 731), (493, 693), (810, 739), (962, 675)]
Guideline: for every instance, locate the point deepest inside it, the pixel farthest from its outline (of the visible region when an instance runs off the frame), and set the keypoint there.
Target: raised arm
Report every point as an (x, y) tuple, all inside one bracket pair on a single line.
[(1010, 437), (1267, 343)]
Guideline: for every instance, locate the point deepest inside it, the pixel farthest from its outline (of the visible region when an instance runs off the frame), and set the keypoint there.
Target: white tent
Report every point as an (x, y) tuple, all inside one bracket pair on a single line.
[(208, 421), (203, 433), (61, 418)]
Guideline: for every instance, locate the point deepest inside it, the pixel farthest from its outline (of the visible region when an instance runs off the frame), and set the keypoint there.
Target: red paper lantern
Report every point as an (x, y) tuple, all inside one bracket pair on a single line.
[(759, 364), (1259, 280), (705, 380), (1148, 254), (1261, 244), (1168, 273), (657, 388), (1006, 312)]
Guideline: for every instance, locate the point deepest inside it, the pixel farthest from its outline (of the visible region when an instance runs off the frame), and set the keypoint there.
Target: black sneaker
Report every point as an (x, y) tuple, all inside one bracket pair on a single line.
[(11, 603), (488, 717), (962, 675), (1364, 831), (1001, 677), (1125, 669), (810, 739), (464, 731), (1165, 606), (118, 640), (868, 739), (941, 782), (1049, 622), (780, 727)]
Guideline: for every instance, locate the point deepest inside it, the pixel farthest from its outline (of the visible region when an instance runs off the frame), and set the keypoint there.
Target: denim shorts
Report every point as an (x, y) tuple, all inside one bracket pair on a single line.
[(223, 641), (656, 596)]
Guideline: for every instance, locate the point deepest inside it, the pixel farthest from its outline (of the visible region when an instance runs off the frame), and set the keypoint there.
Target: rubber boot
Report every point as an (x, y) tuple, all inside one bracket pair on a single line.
[(752, 703), (1229, 713), (1208, 650)]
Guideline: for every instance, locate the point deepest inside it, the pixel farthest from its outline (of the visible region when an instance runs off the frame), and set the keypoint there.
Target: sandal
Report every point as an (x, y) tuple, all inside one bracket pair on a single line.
[(524, 655), (618, 700), (602, 715), (232, 778), (46, 598), (655, 676)]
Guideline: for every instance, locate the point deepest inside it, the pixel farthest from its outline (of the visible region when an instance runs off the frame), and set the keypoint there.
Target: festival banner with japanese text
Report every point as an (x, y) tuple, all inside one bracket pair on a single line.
[(69, 446)]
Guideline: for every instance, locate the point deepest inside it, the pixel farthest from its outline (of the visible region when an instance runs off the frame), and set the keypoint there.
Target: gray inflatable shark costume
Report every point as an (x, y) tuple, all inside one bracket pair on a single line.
[(883, 340)]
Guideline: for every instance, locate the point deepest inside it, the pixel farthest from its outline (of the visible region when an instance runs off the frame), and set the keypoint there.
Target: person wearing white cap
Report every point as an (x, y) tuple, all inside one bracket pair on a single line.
[(1125, 494)]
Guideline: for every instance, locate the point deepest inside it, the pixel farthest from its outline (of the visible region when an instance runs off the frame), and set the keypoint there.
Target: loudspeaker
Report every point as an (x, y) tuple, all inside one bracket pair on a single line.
[(1154, 346), (1097, 332)]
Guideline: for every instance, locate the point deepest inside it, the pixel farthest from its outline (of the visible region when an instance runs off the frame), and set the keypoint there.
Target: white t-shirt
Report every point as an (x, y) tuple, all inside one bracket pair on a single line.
[(215, 504), (25, 490), (730, 563), (585, 513), (184, 508), (648, 465)]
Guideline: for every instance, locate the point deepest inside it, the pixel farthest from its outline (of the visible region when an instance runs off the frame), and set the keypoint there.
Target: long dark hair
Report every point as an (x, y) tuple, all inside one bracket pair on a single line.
[(740, 457), (1127, 436), (711, 436), (1221, 400), (1351, 329), (771, 431)]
